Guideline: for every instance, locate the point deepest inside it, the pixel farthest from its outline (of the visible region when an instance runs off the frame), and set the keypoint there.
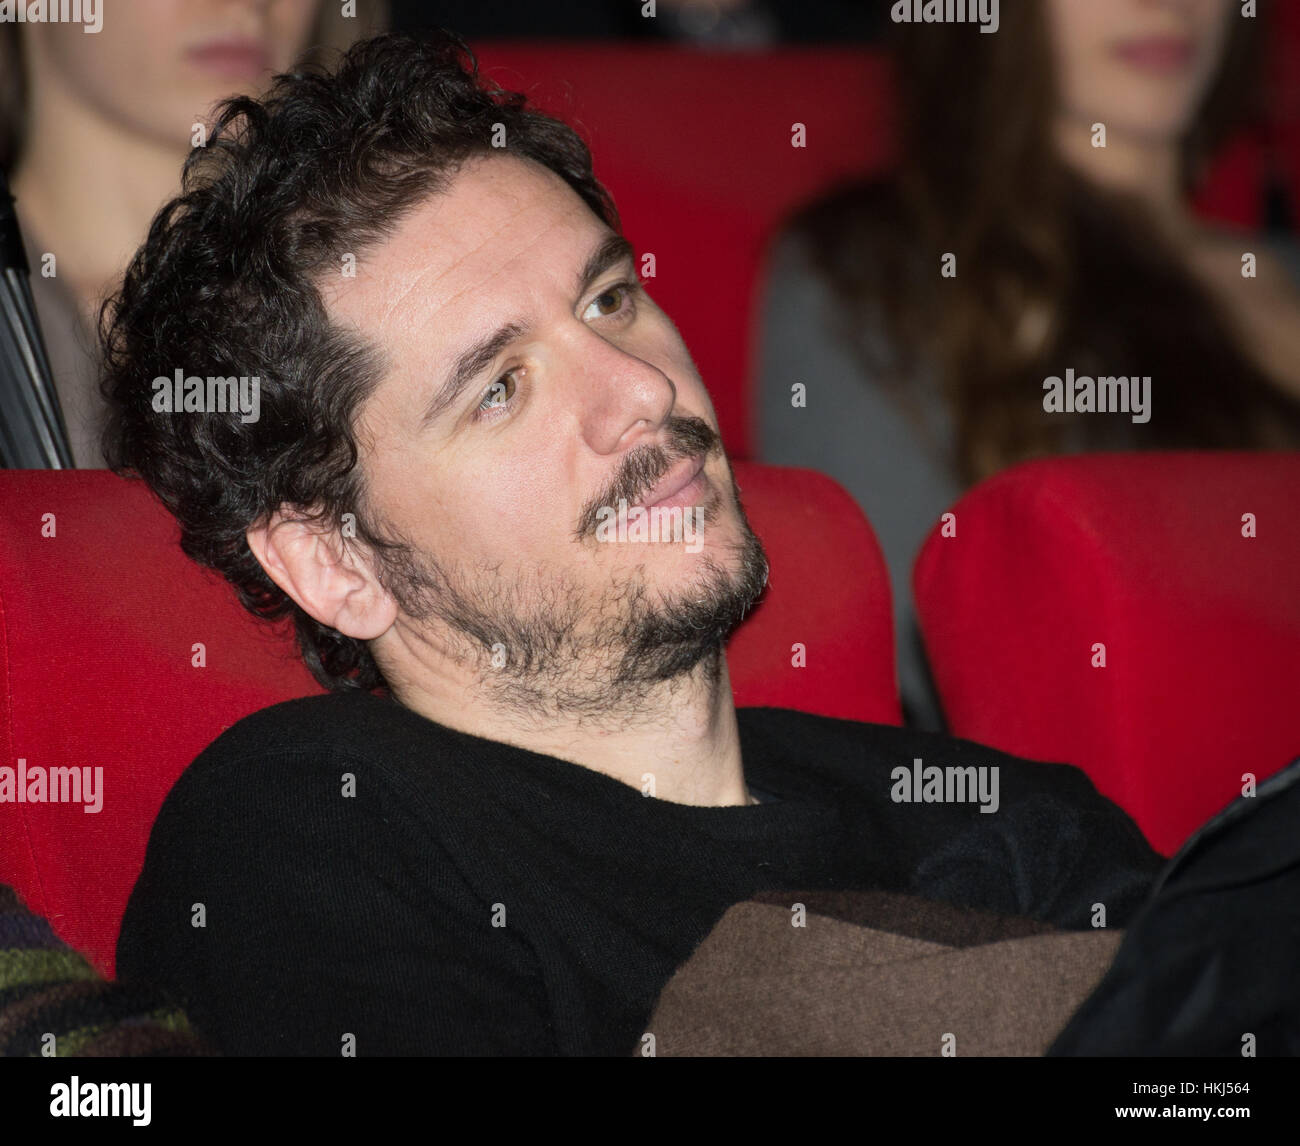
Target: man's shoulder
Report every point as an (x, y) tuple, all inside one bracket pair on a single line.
[(334, 723), (277, 747), (342, 774)]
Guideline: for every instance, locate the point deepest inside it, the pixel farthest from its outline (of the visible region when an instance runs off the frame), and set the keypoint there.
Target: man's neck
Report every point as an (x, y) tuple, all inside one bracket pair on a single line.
[(682, 744)]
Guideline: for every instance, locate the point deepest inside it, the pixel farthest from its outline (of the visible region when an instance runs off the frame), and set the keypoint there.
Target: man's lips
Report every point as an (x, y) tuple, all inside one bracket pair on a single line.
[(678, 486)]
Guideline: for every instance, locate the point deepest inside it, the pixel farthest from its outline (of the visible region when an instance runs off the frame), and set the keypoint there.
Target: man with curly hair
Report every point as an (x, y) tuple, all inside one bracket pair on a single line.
[(527, 795)]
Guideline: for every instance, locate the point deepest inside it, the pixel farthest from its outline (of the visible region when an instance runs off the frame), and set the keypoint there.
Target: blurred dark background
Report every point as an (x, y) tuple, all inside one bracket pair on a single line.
[(758, 21)]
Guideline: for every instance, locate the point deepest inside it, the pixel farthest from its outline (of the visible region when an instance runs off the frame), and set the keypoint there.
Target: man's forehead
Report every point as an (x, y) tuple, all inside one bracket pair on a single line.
[(498, 217)]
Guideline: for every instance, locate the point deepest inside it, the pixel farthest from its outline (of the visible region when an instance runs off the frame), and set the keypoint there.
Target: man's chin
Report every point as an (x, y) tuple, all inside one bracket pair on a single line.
[(694, 614), (578, 639)]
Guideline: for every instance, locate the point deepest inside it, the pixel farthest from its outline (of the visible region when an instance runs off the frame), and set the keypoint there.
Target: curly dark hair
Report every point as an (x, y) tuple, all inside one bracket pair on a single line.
[(325, 165)]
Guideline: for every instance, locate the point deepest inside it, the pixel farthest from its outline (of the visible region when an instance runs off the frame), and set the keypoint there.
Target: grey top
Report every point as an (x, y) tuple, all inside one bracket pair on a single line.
[(73, 351), (900, 470), (855, 431)]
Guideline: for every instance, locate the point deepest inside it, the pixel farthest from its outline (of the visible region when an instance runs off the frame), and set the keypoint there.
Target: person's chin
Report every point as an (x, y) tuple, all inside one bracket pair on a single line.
[(1154, 112)]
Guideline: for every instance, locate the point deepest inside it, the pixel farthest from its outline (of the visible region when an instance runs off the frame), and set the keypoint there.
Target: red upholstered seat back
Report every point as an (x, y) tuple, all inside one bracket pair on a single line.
[(100, 616), (1144, 554)]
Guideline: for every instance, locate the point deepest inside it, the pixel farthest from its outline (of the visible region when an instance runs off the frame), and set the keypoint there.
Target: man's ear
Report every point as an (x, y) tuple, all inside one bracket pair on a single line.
[(329, 580)]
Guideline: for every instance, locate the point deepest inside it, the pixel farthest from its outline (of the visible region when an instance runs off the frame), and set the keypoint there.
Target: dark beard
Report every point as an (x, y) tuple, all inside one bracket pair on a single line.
[(541, 662)]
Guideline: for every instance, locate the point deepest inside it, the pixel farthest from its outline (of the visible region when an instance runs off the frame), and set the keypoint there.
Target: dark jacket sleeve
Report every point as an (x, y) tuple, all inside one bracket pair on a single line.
[(1208, 967), (286, 917)]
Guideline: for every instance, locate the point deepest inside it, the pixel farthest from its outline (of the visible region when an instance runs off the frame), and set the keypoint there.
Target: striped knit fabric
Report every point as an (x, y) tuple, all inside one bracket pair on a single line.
[(54, 1003)]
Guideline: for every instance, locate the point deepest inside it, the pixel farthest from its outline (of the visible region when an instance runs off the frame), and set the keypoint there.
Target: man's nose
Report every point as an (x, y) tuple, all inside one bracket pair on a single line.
[(621, 396)]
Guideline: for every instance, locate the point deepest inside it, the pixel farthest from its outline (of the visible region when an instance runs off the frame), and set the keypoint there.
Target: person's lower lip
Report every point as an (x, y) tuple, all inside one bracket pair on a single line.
[(687, 495), (1156, 55), (230, 62)]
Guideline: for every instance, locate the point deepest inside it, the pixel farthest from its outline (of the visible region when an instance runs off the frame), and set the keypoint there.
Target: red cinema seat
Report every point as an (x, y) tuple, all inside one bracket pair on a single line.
[(1146, 555), (101, 619)]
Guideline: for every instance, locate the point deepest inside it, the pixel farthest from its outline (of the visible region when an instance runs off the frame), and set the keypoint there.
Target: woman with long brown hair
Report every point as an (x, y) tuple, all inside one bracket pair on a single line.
[(1036, 228), (95, 123)]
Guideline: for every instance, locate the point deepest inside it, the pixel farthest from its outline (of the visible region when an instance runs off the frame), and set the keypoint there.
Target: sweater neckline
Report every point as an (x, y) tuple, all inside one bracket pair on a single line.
[(787, 815)]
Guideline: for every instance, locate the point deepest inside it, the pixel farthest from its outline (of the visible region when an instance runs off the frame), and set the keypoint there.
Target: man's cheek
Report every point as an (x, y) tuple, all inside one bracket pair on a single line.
[(515, 536)]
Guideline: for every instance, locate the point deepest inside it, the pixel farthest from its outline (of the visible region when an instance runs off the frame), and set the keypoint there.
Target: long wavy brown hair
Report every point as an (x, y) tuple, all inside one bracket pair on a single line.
[(1053, 271)]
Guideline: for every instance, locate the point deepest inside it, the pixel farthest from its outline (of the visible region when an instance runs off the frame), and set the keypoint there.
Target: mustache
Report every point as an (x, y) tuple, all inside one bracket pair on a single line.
[(641, 469)]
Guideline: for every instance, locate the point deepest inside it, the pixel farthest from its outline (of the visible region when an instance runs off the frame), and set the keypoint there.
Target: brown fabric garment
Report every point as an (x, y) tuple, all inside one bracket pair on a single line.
[(876, 974)]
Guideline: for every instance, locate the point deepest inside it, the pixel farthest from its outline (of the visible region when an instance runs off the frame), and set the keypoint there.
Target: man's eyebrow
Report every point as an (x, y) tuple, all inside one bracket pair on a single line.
[(610, 253), (613, 250), (472, 360)]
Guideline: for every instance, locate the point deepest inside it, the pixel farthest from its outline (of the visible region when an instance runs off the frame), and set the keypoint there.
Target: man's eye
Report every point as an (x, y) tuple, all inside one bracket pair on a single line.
[(609, 302), (499, 393)]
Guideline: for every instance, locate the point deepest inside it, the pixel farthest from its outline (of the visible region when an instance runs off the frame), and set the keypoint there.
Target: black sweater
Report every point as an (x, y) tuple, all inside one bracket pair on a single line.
[(471, 897)]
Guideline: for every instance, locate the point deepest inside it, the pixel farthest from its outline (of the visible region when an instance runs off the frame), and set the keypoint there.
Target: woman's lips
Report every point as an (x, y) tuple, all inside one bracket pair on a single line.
[(1160, 54), (231, 59)]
